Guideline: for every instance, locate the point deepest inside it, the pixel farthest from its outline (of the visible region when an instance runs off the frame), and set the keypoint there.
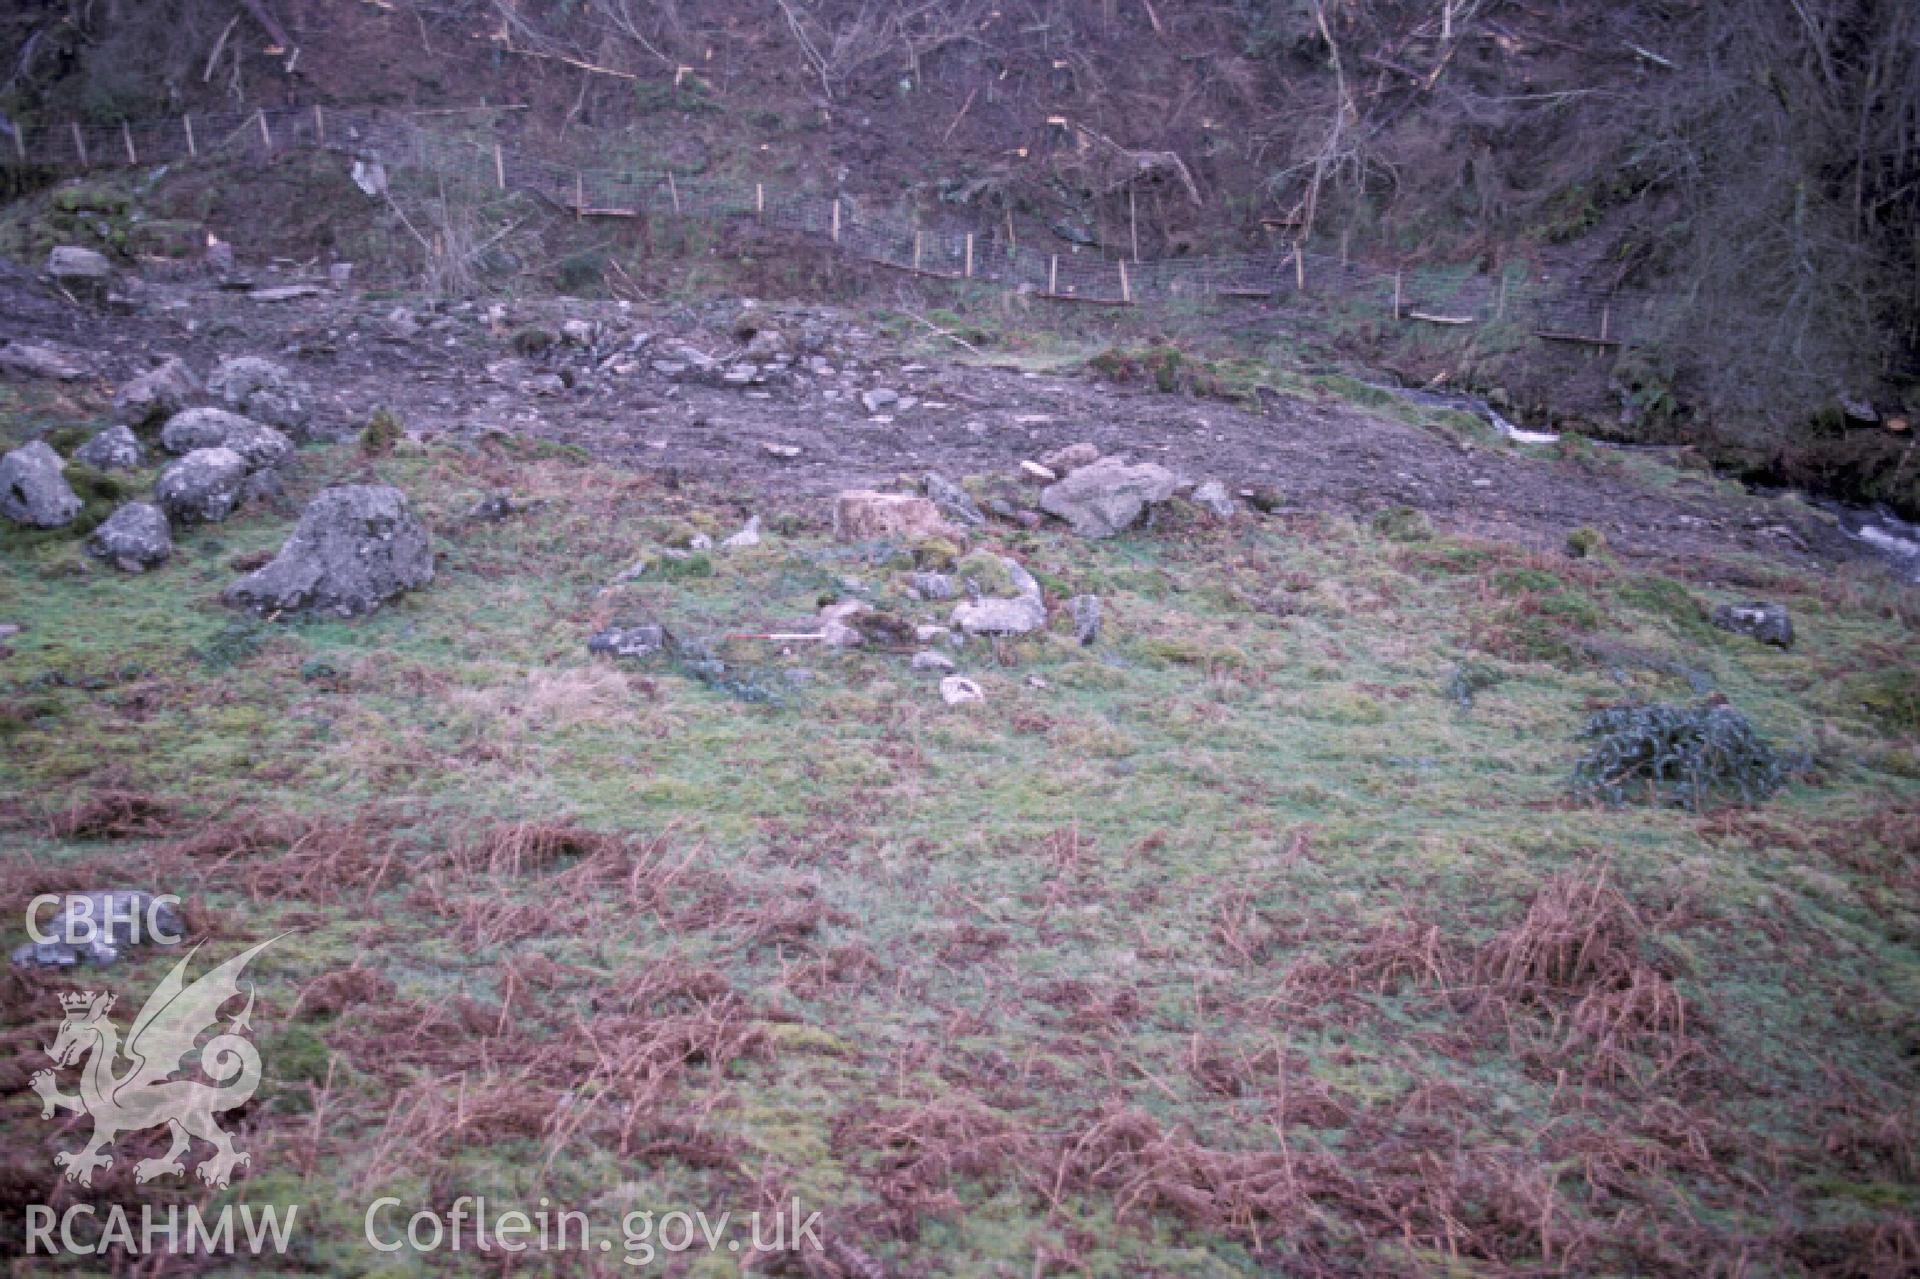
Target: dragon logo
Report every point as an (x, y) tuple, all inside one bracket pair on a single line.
[(142, 1095)]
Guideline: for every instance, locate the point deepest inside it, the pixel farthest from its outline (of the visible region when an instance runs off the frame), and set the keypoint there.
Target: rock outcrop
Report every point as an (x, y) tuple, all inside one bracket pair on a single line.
[(1108, 496)]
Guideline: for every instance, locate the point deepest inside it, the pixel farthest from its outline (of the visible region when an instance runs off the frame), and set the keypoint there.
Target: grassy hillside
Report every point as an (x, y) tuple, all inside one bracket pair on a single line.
[(1266, 931)]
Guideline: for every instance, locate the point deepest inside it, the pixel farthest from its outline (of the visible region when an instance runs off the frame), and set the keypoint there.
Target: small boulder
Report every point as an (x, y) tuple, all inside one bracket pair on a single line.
[(933, 586), (20, 360), (1768, 623), (203, 487), (1108, 496), (355, 547), (259, 444), (1084, 610), (1034, 473), (954, 502), (928, 660), (71, 264), (265, 392), (862, 515), (158, 393), (1213, 498), (1020, 613), (1071, 458), (34, 489), (749, 535), (113, 448), (133, 539), (880, 397), (956, 690)]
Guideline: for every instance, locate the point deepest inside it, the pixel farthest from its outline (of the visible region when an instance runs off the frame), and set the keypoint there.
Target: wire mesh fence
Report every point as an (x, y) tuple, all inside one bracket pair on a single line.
[(1571, 311)]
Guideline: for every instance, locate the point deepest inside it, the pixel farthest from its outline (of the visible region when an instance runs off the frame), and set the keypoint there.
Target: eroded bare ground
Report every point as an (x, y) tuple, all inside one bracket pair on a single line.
[(472, 368)]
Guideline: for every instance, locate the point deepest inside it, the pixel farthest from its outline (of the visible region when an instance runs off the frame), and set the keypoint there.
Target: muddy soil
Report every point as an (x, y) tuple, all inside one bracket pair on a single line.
[(794, 425)]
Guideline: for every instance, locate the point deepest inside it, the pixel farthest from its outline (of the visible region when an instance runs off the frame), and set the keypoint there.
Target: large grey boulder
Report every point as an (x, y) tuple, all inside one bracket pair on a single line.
[(134, 538), (1017, 614), (112, 448), (355, 547), (1768, 623), (158, 393), (1108, 496), (34, 489), (203, 428), (203, 487), (265, 392)]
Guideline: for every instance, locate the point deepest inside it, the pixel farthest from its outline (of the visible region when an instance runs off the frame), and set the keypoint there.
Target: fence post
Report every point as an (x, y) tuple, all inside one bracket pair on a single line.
[(673, 192), (126, 136), (969, 270), (916, 250), (499, 168), (266, 137), (1500, 307), (319, 117), (1126, 289), (1299, 266), (1133, 222), (759, 201), (20, 142), (1606, 313), (836, 219), (1396, 295), (1053, 275), (79, 143), (193, 152), (579, 196)]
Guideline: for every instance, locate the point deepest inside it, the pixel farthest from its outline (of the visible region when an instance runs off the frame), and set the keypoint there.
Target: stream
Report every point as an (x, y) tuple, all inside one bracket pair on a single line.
[(1876, 530)]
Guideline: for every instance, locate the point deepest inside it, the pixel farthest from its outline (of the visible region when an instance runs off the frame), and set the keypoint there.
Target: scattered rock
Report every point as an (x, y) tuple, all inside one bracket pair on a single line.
[(112, 448), (861, 515), (1085, 612), (34, 489), (204, 428), (111, 921), (928, 660), (18, 359), (1108, 496), (265, 392), (747, 536), (766, 344), (1213, 498), (203, 487), (158, 393), (356, 546), (1071, 458), (133, 539), (878, 398), (1034, 473), (579, 332), (954, 502), (1768, 623), (628, 641), (785, 452), (1022, 612), (956, 690), (1266, 500)]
